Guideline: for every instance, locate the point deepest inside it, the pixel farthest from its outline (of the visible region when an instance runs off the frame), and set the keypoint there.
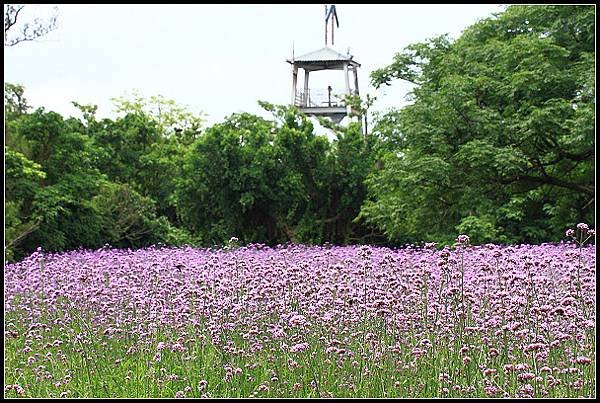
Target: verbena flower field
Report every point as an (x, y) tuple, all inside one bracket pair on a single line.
[(298, 321)]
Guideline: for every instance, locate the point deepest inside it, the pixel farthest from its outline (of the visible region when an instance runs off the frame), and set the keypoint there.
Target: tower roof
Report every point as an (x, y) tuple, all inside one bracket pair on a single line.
[(323, 56)]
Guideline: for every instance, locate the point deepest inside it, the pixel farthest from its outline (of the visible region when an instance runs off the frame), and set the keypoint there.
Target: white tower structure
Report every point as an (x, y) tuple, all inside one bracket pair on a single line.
[(327, 102)]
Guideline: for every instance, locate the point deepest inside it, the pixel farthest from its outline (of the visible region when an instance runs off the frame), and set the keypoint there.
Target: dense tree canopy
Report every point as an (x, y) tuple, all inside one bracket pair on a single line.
[(499, 142), (135, 180), (277, 181)]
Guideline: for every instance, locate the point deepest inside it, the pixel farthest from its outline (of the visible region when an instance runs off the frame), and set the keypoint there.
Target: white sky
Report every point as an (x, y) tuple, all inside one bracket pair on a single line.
[(215, 59)]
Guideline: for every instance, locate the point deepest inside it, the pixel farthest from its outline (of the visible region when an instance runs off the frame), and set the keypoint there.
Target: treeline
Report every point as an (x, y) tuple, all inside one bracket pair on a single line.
[(498, 143), (143, 179)]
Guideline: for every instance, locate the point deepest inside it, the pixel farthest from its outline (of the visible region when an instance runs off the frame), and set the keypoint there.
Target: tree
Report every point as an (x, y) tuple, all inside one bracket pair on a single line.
[(129, 219), (360, 108), (22, 177), (15, 103), (15, 106), (27, 31), (170, 118), (228, 184), (72, 183), (273, 181), (58, 202), (144, 147), (500, 137)]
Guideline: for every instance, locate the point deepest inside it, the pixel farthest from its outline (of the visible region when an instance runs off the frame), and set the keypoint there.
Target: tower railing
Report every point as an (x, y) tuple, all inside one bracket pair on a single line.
[(320, 98)]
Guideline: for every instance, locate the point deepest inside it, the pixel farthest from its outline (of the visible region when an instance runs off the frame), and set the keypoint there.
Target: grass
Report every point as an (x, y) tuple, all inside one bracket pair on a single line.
[(98, 365)]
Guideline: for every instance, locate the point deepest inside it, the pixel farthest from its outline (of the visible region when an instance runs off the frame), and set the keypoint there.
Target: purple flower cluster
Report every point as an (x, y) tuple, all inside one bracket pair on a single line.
[(287, 297)]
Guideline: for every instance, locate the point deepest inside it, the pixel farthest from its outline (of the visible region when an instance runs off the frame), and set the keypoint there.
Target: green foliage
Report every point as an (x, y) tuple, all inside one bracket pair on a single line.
[(22, 175), (22, 181), (77, 184), (129, 219), (15, 103), (123, 142), (234, 183), (272, 181), (126, 215), (145, 147), (480, 229), (67, 219), (500, 137), (421, 215), (169, 117), (158, 169), (15, 228)]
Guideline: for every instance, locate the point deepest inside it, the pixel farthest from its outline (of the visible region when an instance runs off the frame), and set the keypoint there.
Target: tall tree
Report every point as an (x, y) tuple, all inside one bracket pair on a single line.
[(273, 181), (499, 141), (144, 147)]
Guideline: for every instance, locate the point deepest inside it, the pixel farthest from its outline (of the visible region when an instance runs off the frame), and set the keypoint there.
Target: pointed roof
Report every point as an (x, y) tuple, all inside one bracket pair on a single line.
[(325, 54)]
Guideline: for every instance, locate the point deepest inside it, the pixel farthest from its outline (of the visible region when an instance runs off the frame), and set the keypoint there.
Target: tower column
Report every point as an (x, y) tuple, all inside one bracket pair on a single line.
[(348, 107), (294, 83), (347, 78), (305, 101), (355, 80)]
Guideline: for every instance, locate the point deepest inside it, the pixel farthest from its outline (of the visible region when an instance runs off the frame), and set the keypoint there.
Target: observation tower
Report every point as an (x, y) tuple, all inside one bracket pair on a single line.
[(326, 102)]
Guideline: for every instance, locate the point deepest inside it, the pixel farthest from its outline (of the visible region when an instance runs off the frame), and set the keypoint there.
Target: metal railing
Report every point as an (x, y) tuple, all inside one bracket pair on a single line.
[(323, 98)]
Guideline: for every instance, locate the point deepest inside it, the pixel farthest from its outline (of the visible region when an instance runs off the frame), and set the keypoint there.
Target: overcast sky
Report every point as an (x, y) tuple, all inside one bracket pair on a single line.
[(215, 59)]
